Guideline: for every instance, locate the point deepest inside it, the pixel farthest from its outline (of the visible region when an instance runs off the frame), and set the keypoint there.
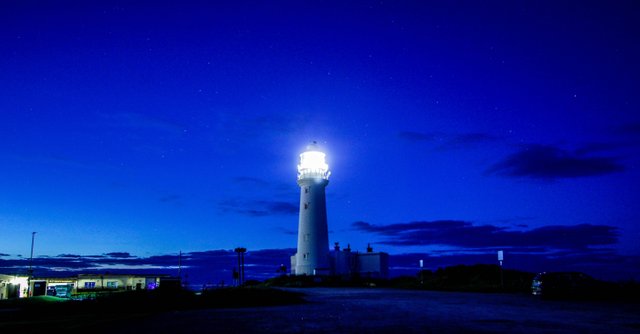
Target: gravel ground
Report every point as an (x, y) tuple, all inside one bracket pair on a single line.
[(374, 310)]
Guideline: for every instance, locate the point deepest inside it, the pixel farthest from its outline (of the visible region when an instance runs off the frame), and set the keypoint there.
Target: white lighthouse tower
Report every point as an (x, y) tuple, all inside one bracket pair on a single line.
[(312, 257)]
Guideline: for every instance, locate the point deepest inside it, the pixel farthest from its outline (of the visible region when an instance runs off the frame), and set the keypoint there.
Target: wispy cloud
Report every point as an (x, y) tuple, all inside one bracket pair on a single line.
[(170, 198), (120, 255), (471, 139), (419, 136), (449, 141), (216, 266), (630, 129), (258, 208), (464, 234), (70, 255), (286, 231), (141, 121), (601, 263), (599, 148), (247, 180), (281, 200), (242, 127), (55, 161), (548, 162), (197, 267)]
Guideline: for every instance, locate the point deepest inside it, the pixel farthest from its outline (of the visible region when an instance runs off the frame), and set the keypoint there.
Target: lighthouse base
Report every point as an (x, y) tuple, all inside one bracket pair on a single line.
[(308, 270), (348, 264)]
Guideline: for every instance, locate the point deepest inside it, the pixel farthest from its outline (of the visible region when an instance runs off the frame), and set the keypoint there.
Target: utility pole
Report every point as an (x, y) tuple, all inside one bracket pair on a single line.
[(33, 238), (240, 251), (180, 265)]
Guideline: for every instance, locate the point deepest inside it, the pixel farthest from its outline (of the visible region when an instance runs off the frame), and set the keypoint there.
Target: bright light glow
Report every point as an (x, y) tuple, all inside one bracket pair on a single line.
[(312, 160), (23, 283), (313, 165), (22, 280)]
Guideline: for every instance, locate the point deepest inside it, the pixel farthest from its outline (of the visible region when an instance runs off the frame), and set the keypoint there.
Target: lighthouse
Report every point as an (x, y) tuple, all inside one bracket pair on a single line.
[(312, 257)]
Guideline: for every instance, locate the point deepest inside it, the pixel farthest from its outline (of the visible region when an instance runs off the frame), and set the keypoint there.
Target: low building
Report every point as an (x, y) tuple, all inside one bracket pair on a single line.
[(350, 264), (12, 286), (21, 286), (117, 282), (373, 265)]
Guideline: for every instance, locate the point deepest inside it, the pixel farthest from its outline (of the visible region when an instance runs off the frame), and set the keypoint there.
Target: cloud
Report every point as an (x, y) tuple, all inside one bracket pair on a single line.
[(69, 255), (281, 189), (4, 254), (171, 198), (471, 139), (197, 267), (548, 162), (599, 147), (252, 181), (418, 136), (259, 208), (286, 231), (630, 129), (281, 207), (603, 264), (467, 235), (55, 160), (215, 266), (121, 255), (141, 121), (267, 198), (244, 128), (449, 141)]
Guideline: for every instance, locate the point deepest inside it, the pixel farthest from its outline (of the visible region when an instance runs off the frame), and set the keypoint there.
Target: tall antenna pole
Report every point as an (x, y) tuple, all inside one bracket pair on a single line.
[(240, 251), (242, 255), (180, 265), (33, 237)]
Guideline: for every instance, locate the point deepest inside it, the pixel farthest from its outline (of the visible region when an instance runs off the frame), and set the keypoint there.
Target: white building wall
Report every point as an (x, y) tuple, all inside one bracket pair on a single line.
[(313, 236), (373, 265)]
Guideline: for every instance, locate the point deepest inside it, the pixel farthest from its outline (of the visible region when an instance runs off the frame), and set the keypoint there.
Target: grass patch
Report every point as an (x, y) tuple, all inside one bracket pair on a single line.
[(38, 314), (476, 278)]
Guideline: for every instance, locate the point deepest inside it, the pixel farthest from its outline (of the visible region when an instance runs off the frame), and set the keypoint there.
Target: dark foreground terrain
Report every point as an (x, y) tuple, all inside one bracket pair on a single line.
[(372, 310), (354, 310)]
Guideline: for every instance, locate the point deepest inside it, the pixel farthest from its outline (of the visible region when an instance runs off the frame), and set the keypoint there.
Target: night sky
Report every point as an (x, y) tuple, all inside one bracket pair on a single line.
[(131, 131)]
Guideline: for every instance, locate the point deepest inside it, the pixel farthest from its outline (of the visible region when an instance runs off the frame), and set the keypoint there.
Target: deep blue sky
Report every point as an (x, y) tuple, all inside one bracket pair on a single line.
[(134, 130)]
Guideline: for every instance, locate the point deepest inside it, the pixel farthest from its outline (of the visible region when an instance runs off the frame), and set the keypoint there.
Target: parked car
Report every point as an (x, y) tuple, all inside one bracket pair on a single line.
[(573, 285)]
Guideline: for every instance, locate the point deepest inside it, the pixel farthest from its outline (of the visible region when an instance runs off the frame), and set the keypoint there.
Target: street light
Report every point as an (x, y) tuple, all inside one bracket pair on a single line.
[(500, 259)]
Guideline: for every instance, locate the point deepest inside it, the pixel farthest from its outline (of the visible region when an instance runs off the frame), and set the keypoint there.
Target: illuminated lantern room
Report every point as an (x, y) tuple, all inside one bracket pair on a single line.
[(312, 164)]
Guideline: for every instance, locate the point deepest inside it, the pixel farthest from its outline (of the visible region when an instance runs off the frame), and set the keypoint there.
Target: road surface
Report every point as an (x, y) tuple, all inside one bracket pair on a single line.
[(349, 310)]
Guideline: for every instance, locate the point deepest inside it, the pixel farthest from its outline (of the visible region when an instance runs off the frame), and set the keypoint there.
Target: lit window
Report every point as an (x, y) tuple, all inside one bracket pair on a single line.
[(89, 285), (112, 285)]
